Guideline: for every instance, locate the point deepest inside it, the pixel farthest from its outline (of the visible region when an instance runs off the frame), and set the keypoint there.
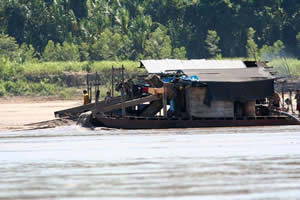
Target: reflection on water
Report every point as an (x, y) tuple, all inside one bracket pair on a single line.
[(222, 163)]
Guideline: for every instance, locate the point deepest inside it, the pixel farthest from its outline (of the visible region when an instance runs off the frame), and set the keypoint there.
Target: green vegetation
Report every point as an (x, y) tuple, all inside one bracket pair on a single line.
[(60, 79), (211, 42), (52, 68), (67, 79), (252, 50), (129, 30), (45, 42), (286, 67), (272, 52), (8, 47)]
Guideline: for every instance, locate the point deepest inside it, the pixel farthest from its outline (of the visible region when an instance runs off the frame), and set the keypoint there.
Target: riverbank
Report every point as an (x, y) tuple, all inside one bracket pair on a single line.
[(19, 113)]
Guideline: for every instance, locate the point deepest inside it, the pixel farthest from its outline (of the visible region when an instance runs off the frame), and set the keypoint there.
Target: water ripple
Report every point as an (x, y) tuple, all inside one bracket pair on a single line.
[(74, 163)]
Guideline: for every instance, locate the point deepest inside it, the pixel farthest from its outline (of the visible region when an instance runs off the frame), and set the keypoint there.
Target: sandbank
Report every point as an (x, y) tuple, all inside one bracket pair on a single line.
[(19, 113)]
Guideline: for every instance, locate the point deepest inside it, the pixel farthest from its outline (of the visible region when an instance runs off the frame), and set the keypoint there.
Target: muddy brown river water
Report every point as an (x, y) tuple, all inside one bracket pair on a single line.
[(73, 163)]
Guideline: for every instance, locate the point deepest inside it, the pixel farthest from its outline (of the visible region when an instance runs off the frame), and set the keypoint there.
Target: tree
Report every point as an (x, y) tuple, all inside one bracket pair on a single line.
[(139, 32), (272, 52), (179, 53), (298, 40), (158, 45), (251, 46), (68, 52), (126, 50), (79, 8), (211, 43), (123, 20), (8, 47), (84, 52), (189, 23), (26, 53), (50, 52), (107, 47), (16, 18), (58, 52)]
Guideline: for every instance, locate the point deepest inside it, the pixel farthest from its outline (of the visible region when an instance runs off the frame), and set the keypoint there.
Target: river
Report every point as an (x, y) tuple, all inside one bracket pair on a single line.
[(73, 163)]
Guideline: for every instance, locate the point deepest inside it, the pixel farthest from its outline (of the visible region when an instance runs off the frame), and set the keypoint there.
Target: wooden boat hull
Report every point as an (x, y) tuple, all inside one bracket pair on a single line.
[(162, 123)]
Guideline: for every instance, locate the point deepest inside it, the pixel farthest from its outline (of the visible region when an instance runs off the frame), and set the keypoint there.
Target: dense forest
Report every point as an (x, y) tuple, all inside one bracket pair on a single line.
[(47, 46), (81, 30)]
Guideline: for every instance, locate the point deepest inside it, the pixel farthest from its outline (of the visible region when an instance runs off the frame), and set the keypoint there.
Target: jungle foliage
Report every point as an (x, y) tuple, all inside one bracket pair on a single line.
[(63, 30), (44, 43)]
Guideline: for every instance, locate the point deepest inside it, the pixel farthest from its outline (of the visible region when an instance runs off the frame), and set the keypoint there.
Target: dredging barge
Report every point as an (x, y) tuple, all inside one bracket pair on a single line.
[(189, 94)]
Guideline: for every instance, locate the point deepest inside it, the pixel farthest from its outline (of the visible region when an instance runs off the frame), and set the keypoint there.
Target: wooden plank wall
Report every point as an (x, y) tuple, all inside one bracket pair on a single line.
[(197, 108), (250, 108)]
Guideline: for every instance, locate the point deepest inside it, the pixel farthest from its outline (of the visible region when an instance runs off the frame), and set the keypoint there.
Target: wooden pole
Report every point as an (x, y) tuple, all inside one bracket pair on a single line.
[(87, 82), (96, 85), (95, 89), (89, 88), (98, 88), (291, 100), (165, 102), (123, 95), (91, 93), (188, 100), (282, 95), (112, 81)]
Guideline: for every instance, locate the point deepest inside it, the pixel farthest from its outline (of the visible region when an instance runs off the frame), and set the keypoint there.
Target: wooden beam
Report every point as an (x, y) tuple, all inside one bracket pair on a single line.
[(74, 112), (129, 103), (188, 100), (165, 102), (102, 104), (153, 108)]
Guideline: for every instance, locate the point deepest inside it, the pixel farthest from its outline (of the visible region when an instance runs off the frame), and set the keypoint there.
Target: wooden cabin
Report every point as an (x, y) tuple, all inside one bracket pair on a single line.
[(224, 88)]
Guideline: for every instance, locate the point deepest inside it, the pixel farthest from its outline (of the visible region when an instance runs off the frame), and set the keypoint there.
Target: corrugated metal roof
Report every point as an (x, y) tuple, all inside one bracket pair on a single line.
[(160, 66)]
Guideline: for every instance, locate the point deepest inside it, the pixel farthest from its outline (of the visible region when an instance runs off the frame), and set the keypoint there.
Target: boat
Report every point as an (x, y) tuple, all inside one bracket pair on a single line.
[(192, 94), (164, 123)]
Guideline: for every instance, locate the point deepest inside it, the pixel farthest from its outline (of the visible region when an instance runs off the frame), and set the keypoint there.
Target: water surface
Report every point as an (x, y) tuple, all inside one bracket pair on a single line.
[(222, 163)]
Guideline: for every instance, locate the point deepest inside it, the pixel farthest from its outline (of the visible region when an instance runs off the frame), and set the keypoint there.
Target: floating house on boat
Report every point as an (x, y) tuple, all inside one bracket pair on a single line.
[(194, 93)]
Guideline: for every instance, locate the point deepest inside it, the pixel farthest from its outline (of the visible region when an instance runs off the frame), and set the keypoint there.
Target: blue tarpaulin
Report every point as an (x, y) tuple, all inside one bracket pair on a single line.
[(185, 78)]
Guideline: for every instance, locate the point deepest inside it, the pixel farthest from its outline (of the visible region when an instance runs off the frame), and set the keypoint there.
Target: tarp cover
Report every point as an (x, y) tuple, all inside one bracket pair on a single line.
[(239, 91), (185, 78)]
